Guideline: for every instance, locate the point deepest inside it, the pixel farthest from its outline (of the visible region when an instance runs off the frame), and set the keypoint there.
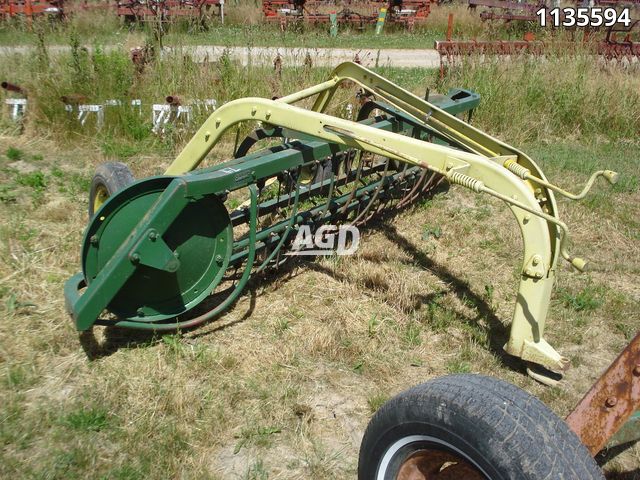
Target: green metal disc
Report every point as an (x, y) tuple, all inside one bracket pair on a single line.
[(201, 236)]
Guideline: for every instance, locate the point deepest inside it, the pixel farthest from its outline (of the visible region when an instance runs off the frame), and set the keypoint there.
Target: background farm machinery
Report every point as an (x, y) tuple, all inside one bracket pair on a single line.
[(176, 250), (358, 14), (617, 43), (525, 11), (355, 13), (130, 10)]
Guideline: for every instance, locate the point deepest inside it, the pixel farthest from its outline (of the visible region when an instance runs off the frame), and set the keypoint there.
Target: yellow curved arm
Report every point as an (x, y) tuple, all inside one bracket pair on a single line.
[(526, 339)]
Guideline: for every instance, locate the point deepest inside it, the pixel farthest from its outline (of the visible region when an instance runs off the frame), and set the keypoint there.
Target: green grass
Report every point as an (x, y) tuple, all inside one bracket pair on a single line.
[(92, 420), (589, 298), (563, 97), (286, 386), (376, 401), (14, 154)]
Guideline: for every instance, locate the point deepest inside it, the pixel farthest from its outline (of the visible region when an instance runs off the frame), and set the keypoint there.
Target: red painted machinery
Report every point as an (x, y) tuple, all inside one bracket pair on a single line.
[(31, 8), (133, 10), (141, 10), (510, 10), (355, 13), (620, 44)]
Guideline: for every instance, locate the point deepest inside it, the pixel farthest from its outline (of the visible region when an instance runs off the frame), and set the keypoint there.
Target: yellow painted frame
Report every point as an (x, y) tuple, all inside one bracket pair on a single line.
[(485, 169)]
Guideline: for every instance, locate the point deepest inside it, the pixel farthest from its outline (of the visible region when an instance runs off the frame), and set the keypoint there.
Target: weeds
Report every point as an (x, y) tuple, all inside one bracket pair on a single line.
[(259, 436), (14, 154), (589, 298), (92, 420), (562, 97), (376, 401), (458, 366), (36, 180)]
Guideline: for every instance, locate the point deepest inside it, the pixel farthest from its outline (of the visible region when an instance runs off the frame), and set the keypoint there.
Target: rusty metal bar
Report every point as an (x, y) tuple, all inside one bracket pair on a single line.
[(610, 49), (10, 87), (610, 401), (506, 5)]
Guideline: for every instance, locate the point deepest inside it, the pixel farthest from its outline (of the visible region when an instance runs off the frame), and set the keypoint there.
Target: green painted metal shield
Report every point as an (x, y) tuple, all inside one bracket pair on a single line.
[(201, 239)]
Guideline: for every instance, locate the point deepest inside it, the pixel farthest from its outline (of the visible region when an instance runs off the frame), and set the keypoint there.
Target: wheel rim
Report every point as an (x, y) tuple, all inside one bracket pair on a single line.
[(421, 457), (101, 196)]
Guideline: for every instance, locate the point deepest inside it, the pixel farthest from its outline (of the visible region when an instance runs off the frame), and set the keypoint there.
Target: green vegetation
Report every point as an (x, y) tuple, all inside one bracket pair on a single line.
[(563, 97), (589, 298), (14, 153), (92, 420)]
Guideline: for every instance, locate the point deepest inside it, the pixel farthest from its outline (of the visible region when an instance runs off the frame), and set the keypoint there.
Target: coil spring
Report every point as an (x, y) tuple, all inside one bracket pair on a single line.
[(466, 181), (517, 169)]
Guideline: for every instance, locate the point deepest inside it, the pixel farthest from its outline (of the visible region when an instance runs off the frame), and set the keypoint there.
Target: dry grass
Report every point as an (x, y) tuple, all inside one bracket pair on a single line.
[(283, 385)]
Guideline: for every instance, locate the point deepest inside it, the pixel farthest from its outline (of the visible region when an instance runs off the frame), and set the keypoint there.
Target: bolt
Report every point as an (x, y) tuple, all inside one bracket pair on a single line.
[(219, 258), (535, 260), (636, 370), (94, 239), (528, 272), (135, 258), (538, 275), (153, 236), (140, 312), (611, 402), (207, 136)]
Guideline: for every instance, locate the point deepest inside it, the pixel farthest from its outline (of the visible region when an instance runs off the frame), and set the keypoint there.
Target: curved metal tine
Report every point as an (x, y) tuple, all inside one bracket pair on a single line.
[(358, 220), (410, 195), (329, 194), (355, 182), (292, 220), (426, 186)]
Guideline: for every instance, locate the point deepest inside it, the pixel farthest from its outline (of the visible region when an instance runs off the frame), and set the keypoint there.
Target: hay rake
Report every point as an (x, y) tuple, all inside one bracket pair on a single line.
[(159, 247)]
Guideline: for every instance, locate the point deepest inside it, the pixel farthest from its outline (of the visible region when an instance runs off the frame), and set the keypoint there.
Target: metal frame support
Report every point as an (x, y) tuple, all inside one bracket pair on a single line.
[(610, 402)]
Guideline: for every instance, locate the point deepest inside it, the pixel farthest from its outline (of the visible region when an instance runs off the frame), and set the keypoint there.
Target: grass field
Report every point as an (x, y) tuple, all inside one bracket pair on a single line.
[(283, 385)]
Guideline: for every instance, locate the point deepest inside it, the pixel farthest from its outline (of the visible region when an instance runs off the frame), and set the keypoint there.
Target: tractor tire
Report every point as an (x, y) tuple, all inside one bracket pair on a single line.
[(471, 427), (109, 178)]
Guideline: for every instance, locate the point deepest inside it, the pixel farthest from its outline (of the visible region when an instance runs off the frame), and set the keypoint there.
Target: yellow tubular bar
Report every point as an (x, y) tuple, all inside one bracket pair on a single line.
[(540, 237), (447, 124)]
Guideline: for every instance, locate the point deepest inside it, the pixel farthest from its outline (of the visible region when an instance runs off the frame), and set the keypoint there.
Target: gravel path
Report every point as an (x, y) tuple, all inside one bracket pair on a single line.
[(290, 56)]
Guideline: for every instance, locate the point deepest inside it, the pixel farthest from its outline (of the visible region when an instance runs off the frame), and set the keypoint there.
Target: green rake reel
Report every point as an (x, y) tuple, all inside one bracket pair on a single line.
[(157, 248)]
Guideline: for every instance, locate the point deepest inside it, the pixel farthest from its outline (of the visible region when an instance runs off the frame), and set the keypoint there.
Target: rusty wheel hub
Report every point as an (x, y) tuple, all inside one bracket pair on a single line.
[(429, 464)]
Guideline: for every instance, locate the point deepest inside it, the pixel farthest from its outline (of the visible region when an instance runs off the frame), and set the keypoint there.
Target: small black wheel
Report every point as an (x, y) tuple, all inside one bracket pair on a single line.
[(471, 427), (109, 178)]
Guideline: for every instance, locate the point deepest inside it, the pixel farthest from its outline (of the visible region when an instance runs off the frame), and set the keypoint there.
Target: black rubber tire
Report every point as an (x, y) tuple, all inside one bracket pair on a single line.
[(112, 176), (494, 425)]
